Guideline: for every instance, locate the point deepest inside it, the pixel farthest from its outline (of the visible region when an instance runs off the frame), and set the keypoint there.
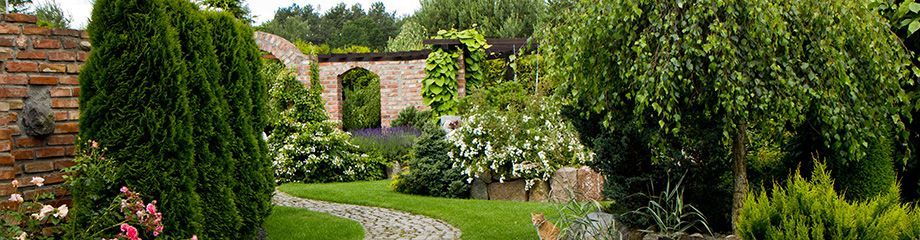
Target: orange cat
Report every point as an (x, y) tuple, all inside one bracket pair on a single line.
[(546, 229)]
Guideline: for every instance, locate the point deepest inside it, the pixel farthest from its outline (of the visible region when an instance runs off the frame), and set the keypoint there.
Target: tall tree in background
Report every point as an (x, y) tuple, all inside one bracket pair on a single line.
[(235, 7), (340, 26), (50, 14), (494, 18), (410, 38)]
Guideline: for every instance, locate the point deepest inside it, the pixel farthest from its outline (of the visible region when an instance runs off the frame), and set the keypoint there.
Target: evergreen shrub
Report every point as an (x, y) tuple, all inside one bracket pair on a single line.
[(361, 95), (431, 172), (413, 117)]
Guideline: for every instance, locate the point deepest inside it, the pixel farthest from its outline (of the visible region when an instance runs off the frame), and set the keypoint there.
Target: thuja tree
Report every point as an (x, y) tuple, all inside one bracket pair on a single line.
[(211, 129), (245, 92), (134, 102), (662, 71)]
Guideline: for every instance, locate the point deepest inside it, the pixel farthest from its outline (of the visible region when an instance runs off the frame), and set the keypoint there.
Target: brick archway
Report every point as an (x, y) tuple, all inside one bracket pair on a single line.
[(400, 75)]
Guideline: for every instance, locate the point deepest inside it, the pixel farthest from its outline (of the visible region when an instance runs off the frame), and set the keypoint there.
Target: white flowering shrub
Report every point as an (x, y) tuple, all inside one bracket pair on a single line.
[(305, 145), (529, 143)]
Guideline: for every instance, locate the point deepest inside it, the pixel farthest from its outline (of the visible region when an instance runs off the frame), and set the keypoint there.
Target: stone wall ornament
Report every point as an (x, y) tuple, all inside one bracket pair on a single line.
[(37, 119)]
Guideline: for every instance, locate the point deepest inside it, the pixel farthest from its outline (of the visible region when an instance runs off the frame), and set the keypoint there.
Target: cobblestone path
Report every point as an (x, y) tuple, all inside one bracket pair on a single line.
[(379, 223)]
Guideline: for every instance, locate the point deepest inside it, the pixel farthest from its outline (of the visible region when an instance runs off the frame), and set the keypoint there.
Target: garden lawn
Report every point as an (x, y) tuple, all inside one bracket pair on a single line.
[(477, 219), (295, 223)]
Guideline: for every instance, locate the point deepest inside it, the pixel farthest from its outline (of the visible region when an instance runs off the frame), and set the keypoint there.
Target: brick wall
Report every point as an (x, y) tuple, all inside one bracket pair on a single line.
[(37, 59), (400, 81)]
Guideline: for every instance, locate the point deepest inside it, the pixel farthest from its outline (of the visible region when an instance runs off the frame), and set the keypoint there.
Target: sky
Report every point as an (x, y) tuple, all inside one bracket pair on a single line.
[(263, 10)]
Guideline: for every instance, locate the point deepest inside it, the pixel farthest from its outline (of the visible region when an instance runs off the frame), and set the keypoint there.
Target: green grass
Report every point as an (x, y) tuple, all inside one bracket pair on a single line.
[(477, 219), (295, 223)]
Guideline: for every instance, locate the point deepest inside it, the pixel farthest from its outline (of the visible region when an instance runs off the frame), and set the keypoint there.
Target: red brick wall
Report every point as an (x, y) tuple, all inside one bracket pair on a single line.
[(37, 56), (400, 81)]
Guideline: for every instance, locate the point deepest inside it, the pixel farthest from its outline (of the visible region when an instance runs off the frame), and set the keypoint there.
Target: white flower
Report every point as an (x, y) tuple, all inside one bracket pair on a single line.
[(22, 236), (62, 211), (46, 209), (38, 181), (16, 198)]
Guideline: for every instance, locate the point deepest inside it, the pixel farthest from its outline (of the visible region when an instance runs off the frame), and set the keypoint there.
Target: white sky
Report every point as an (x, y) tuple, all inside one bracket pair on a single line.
[(263, 10)]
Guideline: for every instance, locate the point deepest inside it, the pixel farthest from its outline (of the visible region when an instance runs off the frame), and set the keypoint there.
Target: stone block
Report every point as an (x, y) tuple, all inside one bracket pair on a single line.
[(590, 184), (539, 192), (509, 190), (562, 185), (479, 190)]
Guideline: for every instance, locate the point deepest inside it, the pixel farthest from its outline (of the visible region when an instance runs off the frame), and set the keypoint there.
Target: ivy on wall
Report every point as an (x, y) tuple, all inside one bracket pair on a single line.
[(439, 88)]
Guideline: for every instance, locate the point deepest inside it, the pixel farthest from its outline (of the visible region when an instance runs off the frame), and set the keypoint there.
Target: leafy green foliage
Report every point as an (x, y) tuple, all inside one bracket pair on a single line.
[(662, 73), (306, 146), (135, 102), (340, 26), (209, 110), (813, 210), (246, 93), (50, 14), (314, 49), (431, 172), (413, 117), (236, 7), (361, 97), (410, 38), (504, 19), (439, 88)]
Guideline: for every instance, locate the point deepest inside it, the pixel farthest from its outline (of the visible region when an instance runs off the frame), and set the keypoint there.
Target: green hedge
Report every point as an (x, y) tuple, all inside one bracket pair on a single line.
[(173, 95), (135, 103), (246, 93)]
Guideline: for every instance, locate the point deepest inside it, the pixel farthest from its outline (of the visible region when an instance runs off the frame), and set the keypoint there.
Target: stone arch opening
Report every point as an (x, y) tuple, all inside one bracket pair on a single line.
[(361, 101)]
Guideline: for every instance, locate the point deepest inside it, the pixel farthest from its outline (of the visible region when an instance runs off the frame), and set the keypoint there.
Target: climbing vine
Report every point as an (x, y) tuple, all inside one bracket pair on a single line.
[(439, 88)]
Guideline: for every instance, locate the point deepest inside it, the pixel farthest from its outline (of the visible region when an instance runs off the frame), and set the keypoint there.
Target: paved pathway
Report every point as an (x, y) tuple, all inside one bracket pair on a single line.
[(379, 223)]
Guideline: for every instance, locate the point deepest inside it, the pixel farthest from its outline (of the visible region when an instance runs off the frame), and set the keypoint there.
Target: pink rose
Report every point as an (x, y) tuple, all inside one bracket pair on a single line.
[(129, 231), (15, 183), (151, 208), (95, 144), (194, 237), (124, 189), (38, 181)]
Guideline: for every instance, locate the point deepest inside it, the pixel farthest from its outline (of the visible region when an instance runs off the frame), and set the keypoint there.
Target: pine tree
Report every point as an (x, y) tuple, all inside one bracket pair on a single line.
[(211, 128), (246, 93), (134, 103)]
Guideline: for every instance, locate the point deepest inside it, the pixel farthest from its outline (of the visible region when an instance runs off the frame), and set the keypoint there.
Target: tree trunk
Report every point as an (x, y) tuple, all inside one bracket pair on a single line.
[(739, 167)]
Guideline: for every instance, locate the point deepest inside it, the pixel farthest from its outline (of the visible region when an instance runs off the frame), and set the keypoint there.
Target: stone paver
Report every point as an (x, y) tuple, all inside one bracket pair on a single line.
[(379, 223)]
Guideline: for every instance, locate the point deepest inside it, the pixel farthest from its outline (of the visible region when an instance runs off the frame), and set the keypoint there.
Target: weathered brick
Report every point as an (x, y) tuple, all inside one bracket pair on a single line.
[(64, 103), (38, 167), (52, 68), (70, 80), (7, 189), (4, 107), (66, 163), (23, 18), (57, 140), (7, 42), (69, 43), (62, 56), (65, 32), (16, 104), (82, 56), (8, 28), (5, 146), (21, 67), (49, 152), (14, 79), (23, 154), (68, 127), (70, 151), (61, 92), (31, 55), (7, 159), (74, 68), (27, 142), (61, 116), (43, 80), (35, 30), (7, 173), (15, 92), (6, 134), (46, 43)]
